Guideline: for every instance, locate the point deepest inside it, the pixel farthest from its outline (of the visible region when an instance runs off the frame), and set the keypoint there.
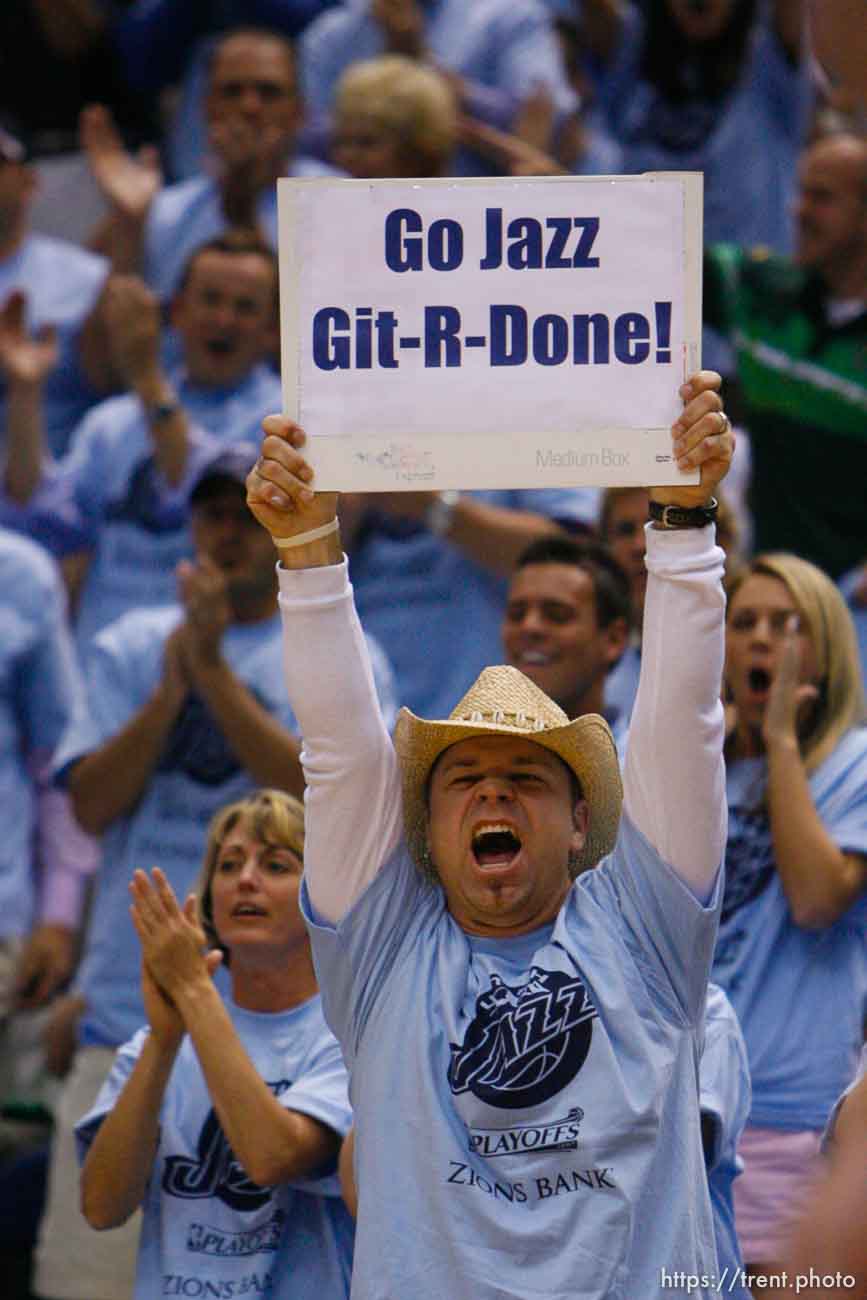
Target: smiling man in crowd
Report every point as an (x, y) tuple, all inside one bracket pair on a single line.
[(567, 623), (133, 457)]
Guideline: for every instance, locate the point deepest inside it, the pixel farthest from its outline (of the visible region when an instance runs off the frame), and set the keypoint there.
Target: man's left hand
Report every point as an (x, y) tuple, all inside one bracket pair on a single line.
[(702, 439)]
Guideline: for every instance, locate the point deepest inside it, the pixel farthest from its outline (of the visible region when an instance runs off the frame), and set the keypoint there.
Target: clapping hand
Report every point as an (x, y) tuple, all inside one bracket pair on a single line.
[(789, 699)]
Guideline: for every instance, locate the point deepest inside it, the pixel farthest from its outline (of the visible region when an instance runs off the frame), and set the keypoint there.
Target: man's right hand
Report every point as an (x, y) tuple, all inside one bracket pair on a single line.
[(132, 316), (129, 184), (279, 486), (25, 359)]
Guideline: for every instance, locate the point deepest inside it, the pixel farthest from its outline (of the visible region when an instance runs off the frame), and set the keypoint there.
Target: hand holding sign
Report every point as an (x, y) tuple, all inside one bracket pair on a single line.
[(482, 333), (280, 487)]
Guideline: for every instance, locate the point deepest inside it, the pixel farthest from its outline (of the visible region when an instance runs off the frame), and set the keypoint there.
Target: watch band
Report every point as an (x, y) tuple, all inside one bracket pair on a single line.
[(672, 516)]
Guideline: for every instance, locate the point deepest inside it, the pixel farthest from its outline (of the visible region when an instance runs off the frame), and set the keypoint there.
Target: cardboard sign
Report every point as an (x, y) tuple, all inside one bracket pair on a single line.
[(490, 333)]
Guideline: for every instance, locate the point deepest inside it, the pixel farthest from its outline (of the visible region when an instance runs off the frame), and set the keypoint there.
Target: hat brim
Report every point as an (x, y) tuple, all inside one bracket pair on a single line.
[(585, 745)]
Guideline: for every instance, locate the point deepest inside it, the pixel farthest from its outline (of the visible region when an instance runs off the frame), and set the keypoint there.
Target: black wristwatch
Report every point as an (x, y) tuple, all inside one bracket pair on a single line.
[(683, 516)]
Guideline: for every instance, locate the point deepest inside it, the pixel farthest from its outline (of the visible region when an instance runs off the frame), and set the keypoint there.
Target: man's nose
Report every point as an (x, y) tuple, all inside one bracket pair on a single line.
[(495, 788), (250, 99), (531, 621)]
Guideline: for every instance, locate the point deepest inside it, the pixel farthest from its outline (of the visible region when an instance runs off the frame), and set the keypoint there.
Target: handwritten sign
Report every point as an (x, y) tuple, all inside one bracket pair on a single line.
[(489, 333)]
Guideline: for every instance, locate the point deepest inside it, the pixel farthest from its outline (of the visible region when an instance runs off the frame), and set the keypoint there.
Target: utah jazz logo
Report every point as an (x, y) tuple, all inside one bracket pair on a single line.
[(526, 1043), (216, 1172), (749, 860)]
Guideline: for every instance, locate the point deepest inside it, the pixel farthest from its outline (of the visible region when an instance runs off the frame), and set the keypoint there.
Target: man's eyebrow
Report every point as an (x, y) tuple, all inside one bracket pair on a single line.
[(520, 760)]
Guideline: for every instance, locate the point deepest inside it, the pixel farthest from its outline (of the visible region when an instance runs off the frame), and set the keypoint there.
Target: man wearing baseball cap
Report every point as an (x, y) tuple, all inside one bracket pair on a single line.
[(522, 1033)]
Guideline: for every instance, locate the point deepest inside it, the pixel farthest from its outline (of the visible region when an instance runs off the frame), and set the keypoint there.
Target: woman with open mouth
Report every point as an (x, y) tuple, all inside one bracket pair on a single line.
[(791, 952), (223, 1119)]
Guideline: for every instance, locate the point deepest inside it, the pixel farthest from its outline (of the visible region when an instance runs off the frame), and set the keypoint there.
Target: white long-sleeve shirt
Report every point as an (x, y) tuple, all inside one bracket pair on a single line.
[(674, 782)]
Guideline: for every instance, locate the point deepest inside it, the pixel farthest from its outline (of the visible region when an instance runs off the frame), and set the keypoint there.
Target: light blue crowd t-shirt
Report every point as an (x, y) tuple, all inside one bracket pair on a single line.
[(40, 689), (747, 144), (197, 774), (724, 1098), (208, 1230), (799, 994), (525, 1106), (62, 282), (435, 612), (831, 1126), (135, 523), (184, 216), (724, 1101), (509, 47), (50, 517), (621, 684)]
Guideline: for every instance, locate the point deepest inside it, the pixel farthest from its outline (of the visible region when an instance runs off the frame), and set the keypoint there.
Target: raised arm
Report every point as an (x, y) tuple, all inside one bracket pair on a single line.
[(132, 318), (674, 779), (108, 781), (25, 363), (353, 795)]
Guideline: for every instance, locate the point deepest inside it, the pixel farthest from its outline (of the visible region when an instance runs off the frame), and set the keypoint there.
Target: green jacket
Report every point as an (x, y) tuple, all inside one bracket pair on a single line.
[(804, 386)]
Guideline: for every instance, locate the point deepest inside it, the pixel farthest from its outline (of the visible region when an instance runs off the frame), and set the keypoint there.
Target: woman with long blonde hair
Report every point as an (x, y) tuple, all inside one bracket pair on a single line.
[(792, 947)]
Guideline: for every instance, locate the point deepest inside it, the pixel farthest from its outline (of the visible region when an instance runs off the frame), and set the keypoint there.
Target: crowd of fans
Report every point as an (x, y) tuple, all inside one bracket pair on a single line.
[(141, 683)]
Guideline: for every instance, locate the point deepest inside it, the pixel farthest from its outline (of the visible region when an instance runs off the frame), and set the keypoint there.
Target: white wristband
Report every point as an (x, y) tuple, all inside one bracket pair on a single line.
[(300, 539)]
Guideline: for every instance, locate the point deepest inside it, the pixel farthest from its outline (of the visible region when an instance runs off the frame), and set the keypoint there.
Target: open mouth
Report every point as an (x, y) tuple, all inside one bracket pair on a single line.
[(496, 846), (248, 909), (220, 347), (759, 681), (536, 658)]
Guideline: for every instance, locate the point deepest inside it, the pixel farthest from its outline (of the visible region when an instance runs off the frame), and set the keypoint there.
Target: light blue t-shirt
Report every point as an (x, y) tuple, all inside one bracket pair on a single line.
[(184, 216), (62, 282), (136, 524), (51, 516), (747, 145), (436, 613), (505, 45), (524, 1106), (831, 1126), (724, 1098), (197, 774), (39, 690), (621, 684), (207, 1229), (799, 994)]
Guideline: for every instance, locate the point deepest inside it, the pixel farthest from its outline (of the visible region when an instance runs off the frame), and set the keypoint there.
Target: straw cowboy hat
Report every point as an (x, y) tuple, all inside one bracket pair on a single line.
[(503, 702)]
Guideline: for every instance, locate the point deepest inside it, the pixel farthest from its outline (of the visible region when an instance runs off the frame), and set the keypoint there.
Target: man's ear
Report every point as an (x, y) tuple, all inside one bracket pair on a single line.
[(616, 640), (580, 824)]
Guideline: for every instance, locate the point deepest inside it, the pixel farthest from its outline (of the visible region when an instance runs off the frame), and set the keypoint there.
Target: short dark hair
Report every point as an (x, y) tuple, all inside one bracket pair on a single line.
[(239, 241), (611, 591), (260, 33)]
